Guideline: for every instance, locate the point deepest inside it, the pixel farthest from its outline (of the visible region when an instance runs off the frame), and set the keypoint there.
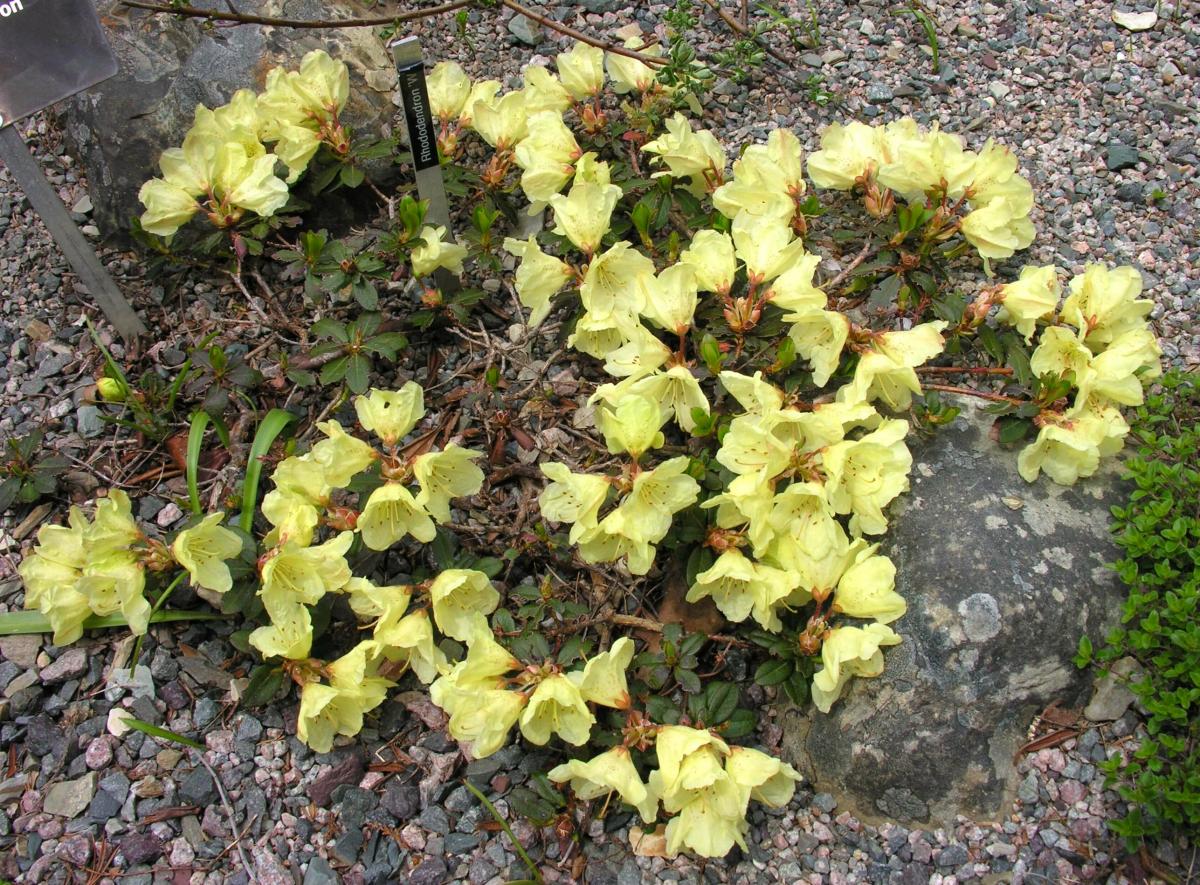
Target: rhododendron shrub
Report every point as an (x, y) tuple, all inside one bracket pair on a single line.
[(760, 325)]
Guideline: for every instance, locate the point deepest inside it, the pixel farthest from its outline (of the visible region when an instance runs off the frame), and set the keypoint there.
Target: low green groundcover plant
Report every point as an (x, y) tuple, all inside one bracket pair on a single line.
[(751, 424), (1158, 532)]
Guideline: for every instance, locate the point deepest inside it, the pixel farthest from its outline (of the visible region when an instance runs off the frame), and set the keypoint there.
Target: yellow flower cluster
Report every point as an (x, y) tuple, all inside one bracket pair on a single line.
[(917, 164), (223, 167), (88, 568), (1104, 347), (296, 573)]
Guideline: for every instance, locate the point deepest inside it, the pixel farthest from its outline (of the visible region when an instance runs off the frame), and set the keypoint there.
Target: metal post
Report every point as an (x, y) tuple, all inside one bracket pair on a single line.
[(422, 140), (77, 250)]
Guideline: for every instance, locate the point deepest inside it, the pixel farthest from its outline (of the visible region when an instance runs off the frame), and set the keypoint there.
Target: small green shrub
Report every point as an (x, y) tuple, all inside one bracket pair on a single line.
[(1159, 534)]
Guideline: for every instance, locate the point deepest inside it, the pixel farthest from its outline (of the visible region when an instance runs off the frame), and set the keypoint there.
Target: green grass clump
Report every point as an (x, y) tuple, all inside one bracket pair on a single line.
[(1158, 532)]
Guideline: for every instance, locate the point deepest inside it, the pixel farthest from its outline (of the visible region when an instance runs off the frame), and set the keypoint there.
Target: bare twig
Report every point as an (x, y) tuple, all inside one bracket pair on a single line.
[(567, 31), (849, 269), (244, 19), (982, 394), (233, 830), (964, 370)]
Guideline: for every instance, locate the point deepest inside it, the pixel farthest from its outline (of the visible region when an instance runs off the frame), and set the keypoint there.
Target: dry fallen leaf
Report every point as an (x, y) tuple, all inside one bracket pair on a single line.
[(1135, 21), (648, 844)]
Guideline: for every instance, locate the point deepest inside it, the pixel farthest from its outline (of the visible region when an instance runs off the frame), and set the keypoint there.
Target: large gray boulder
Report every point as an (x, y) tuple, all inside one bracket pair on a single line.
[(1002, 577), (168, 65)]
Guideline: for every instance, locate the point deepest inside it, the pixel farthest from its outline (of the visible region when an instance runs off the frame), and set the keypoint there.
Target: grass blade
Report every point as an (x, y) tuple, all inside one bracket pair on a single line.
[(272, 425), (157, 731), (533, 870), (194, 443), (22, 623)]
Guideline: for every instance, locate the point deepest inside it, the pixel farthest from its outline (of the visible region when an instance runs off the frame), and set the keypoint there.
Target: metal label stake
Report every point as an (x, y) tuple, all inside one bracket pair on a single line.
[(422, 140), (50, 50)]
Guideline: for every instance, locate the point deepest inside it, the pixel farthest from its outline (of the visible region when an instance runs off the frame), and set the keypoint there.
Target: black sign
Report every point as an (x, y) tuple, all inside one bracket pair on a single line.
[(49, 50), (422, 135)]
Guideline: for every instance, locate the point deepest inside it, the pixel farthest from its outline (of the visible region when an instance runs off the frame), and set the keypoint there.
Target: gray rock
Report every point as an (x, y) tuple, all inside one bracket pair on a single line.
[(996, 606), (71, 664), (347, 770), (435, 820), (87, 420), (1120, 156), (103, 807), (21, 650), (198, 788), (879, 93), (141, 848), (526, 30), (402, 800), (1112, 697), (168, 65), (70, 798), (431, 871), (319, 872)]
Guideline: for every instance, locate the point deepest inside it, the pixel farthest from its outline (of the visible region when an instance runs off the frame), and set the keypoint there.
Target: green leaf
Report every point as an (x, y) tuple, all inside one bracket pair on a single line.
[(688, 679), (351, 176), (740, 724), (773, 672), (335, 370), (264, 684), (272, 425), (164, 733), (331, 328), (8, 491), (195, 442), (23, 623), (721, 699), (358, 373)]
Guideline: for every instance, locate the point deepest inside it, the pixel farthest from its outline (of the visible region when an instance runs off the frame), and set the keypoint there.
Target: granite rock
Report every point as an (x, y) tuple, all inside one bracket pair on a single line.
[(1002, 577)]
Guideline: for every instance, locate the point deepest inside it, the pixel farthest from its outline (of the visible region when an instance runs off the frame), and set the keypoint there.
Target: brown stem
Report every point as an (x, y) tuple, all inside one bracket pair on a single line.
[(567, 31), (849, 269), (964, 370), (243, 19), (656, 627), (967, 391)]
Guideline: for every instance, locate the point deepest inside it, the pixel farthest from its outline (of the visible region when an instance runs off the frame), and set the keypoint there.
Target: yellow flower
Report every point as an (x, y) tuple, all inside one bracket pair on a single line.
[(671, 298), (289, 635), (685, 152), (631, 425), (849, 652), (794, 291), (544, 92), (297, 106), (612, 286), (583, 214), (998, 229), (599, 336), (711, 254), (1070, 446), (865, 475), (616, 537), (847, 152), (444, 475), (461, 598), (1118, 373), (391, 415), (573, 498), (338, 708), (1104, 303), (557, 707), (113, 527), (370, 601), (601, 775), (449, 87), (756, 396), (482, 92), (766, 245), (486, 720), (676, 391), (409, 638), (341, 456), (750, 447), (294, 506), (435, 252), (546, 154), (582, 70), (921, 161), (481, 710), (656, 496), (297, 575), (1061, 352), (819, 336), (639, 356), (113, 581), (995, 176), (539, 276), (767, 779), (602, 679), (390, 514), (740, 588), (203, 549), (867, 587), (886, 371), (1032, 297), (502, 122), (630, 74)]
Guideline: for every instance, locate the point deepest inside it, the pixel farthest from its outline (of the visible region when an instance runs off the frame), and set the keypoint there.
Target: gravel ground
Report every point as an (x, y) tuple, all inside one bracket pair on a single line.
[(1103, 121)]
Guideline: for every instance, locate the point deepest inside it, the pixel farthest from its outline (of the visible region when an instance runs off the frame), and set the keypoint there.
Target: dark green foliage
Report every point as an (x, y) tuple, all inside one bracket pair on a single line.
[(1159, 535), (26, 473)]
